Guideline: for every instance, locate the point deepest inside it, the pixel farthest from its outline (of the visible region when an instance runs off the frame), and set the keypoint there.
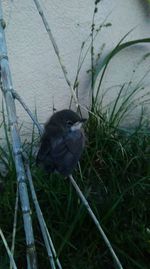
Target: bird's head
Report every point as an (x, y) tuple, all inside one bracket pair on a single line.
[(67, 119)]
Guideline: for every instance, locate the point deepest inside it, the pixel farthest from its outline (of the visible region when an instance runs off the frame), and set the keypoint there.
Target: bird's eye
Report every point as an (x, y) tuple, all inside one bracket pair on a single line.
[(69, 122)]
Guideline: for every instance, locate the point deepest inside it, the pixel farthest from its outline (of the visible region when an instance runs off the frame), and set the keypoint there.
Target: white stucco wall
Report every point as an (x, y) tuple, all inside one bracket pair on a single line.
[(36, 73)]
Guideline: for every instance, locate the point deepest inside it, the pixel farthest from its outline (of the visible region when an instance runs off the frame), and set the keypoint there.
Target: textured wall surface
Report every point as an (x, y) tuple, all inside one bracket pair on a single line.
[(36, 73)]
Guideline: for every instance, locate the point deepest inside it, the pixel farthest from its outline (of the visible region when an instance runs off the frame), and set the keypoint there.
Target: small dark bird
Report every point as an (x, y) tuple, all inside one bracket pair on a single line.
[(62, 143)]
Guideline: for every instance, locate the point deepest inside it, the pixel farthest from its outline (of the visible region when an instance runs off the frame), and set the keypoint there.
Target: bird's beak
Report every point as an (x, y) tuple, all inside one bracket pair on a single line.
[(77, 125)]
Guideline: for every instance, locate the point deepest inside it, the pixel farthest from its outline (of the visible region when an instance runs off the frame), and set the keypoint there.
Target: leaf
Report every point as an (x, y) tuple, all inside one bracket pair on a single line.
[(117, 49)]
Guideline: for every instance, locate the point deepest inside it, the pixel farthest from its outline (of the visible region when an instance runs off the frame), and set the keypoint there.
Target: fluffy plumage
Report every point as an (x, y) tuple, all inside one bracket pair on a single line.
[(62, 143)]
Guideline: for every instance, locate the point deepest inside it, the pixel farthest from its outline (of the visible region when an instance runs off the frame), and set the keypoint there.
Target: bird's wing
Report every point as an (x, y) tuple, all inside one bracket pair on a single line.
[(45, 148), (67, 151), (49, 140), (60, 151)]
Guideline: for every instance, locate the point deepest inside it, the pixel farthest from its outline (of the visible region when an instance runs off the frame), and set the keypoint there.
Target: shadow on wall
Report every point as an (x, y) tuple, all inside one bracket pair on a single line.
[(145, 5)]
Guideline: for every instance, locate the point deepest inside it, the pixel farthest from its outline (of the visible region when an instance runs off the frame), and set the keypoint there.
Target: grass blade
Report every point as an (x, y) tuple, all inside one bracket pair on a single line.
[(110, 55)]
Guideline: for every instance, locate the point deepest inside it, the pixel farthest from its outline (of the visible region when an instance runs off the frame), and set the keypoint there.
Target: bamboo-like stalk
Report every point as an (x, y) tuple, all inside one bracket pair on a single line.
[(14, 226), (8, 250), (94, 218), (16, 144), (46, 236)]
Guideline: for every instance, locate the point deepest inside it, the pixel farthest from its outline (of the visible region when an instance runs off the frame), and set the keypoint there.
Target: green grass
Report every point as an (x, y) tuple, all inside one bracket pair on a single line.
[(115, 179)]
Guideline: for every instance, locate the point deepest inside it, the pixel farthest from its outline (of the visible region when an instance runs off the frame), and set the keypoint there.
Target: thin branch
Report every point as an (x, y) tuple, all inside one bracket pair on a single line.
[(94, 218), (20, 100), (8, 250), (47, 27), (46, 236)]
